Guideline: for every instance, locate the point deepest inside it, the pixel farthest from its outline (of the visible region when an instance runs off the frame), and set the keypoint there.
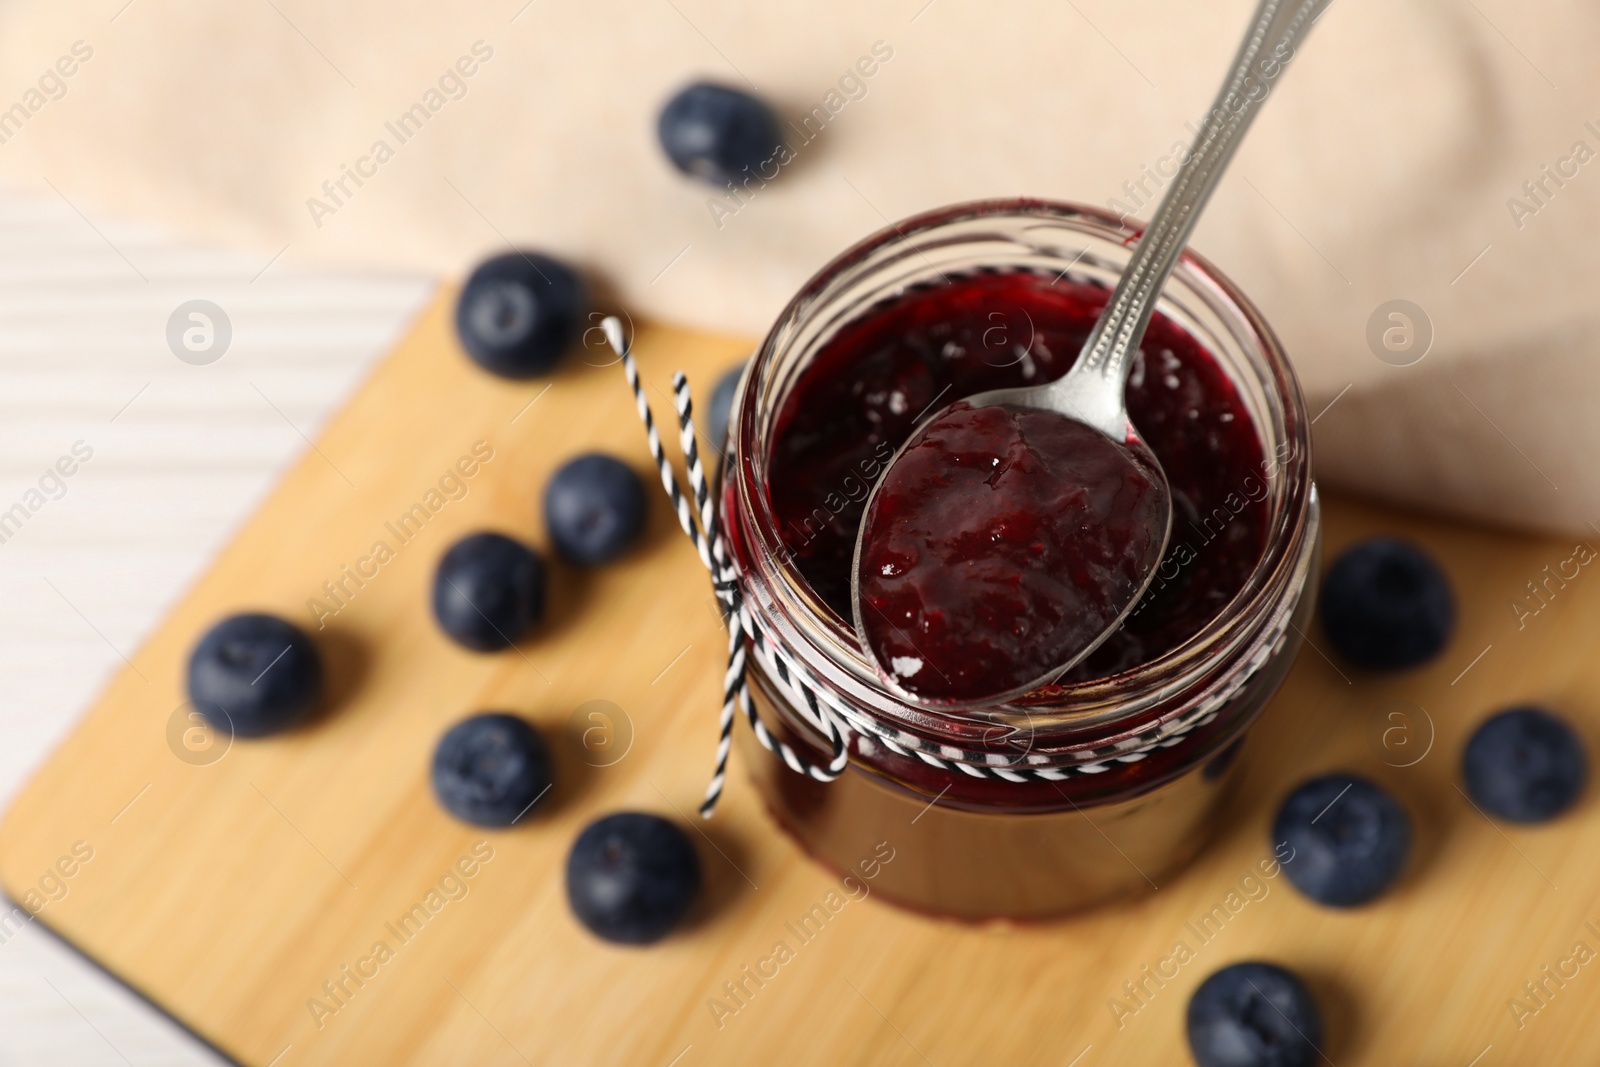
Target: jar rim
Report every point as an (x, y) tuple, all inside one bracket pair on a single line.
[(1082, 712)]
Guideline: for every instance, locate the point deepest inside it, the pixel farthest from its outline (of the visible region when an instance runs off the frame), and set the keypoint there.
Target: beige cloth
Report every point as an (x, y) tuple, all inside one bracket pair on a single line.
[(1381, 169)]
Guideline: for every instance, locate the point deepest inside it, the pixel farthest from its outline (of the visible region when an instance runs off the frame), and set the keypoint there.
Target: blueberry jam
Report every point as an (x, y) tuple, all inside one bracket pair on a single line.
[(999, 547), (870, 385)]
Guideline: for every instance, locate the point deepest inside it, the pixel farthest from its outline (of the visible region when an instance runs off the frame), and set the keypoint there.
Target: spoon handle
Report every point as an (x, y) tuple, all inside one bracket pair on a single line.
[(1279, 28)]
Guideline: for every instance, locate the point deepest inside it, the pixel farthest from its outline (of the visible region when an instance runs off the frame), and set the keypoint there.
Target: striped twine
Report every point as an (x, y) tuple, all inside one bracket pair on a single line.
[(816, 702), (703, 532)]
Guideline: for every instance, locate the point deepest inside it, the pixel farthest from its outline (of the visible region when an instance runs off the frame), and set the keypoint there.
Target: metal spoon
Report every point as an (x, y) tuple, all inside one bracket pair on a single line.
[(1091, 394)]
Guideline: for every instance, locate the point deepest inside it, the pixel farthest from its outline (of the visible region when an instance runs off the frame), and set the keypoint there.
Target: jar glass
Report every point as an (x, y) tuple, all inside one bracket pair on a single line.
[(1142, 756)]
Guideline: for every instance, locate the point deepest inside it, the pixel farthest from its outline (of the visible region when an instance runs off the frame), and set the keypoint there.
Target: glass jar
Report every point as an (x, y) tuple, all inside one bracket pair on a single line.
[(1131, 767)]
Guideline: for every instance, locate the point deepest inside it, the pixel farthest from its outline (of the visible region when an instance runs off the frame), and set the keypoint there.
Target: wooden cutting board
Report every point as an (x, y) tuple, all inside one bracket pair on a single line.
[(247, 890)]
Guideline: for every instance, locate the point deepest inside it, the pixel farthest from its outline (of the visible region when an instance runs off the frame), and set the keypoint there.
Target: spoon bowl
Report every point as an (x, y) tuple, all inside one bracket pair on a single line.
[(1035, 535)]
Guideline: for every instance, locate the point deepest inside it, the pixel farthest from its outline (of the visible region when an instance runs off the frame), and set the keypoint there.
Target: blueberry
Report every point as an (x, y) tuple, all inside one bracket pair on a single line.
[(720, 134), (255, 675), (1524, 765), (488, 591), (631, 877), (519, 312), (1349, 838), (490, 769), (720, 411), (1254, 1015), (594, 508), (1386, 605)]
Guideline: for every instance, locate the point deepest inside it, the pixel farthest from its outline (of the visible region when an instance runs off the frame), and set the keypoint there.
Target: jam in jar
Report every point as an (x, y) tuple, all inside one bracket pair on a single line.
[(1127, 754)]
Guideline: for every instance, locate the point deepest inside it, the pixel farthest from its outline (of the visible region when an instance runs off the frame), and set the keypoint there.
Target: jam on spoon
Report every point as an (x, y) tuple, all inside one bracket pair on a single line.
[(1004, 542), (1085, 575)]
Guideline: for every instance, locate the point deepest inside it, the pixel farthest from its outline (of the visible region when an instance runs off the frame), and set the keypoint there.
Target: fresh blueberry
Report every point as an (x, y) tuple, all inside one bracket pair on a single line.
[(488, 591), (721, 409), (1349, 839), (490, 769), (255, 675), (594, 508), (720, 134), (1524, 765), (1254, 1015), (631, 877), (1386, 605), (519, 312)]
